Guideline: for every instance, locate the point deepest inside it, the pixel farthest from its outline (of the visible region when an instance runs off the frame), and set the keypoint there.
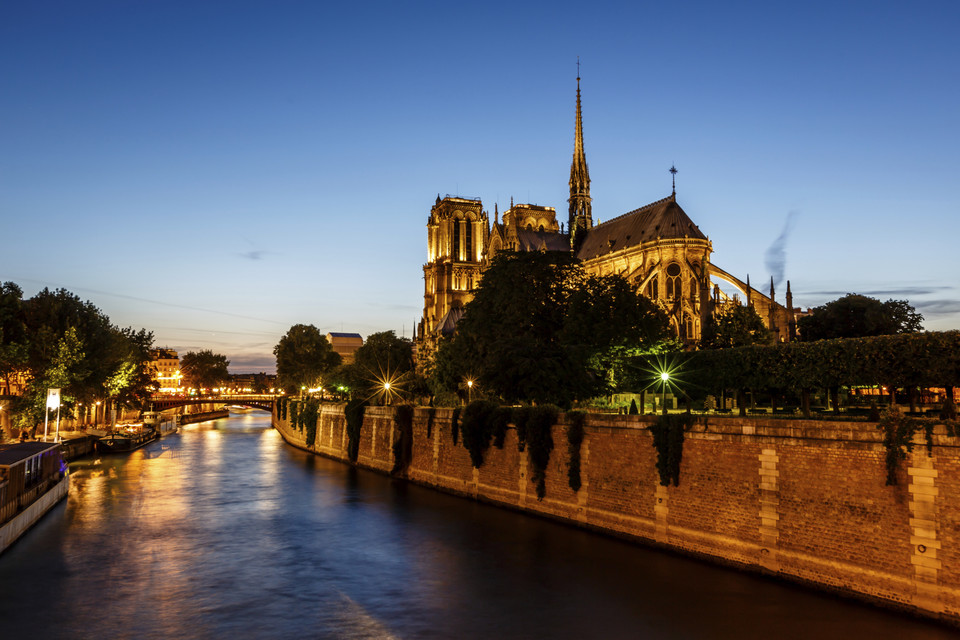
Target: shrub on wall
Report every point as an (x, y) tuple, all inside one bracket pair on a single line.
[(308, 417), (477, 429), (520, 417), (295, 415), (501, 419), (403, 438), (667, 434), (574, 440), (431, 412), (538, 426), (898, 433), (353, 414), (455, 425)]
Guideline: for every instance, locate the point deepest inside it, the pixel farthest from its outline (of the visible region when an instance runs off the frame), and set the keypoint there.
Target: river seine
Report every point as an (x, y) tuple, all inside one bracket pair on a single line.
[(224, 531)]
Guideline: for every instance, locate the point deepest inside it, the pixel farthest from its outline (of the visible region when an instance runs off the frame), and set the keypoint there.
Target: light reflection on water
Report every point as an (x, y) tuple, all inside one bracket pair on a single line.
[(223, 531)]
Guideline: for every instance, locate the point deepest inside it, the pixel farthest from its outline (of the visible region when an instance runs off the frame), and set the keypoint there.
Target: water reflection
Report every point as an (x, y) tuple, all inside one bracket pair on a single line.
[(223, 531)]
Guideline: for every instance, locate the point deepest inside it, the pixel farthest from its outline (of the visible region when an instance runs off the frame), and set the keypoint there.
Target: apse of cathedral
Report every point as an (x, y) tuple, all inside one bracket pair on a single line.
[(656, 247)]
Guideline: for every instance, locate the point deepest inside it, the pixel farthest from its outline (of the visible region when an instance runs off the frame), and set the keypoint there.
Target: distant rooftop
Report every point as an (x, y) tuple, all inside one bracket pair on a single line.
[(345, 335)]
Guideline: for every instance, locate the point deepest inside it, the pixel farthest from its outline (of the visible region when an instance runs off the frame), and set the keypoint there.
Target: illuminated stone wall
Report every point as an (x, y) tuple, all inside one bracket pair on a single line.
[(803, 500)]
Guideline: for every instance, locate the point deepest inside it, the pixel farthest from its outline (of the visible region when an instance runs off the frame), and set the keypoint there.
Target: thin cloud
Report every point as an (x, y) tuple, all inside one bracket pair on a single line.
[(254, 255), (149, 301), (880, 293)]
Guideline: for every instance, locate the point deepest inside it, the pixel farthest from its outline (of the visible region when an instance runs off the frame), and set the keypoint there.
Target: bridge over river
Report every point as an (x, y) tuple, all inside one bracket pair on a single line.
[(256, 400)]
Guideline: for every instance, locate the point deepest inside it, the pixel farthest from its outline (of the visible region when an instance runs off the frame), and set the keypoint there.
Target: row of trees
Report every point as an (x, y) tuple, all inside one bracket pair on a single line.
[(306, 360), (56, 340), (540, 329)]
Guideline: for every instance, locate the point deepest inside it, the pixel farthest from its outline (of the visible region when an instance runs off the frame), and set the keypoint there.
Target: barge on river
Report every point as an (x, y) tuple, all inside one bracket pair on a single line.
[(33, 478), (126, 438)]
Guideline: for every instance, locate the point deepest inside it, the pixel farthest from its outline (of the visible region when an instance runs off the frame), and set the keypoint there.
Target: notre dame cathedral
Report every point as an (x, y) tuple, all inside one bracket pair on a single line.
[(657, 247)]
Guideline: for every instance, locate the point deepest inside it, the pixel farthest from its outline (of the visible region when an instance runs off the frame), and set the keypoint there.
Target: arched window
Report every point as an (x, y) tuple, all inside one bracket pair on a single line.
[(653, 290), (468, 251), (674, 289), (694, 289), (455, 253)]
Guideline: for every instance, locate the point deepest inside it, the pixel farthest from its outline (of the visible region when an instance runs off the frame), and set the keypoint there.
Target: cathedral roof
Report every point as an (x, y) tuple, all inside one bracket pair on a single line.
[(530, 240), (663, 219), (448, 323)]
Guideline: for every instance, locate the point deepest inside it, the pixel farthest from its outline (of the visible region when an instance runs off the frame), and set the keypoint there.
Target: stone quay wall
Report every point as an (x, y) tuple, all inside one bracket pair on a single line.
[(801, 500)]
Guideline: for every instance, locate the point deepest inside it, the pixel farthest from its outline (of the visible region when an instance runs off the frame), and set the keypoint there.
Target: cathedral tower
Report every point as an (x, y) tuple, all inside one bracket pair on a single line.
[(457, 236), (581, 211)]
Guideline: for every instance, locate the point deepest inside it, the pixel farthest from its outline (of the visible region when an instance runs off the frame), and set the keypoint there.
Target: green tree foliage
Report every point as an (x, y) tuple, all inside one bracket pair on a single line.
[(60, 341), (48, 316), (204, 369), (915, 359), (856, 316), (477, 428), (61, 373), (540, 330), (303, 357), (13, 331), (384, 353), (735, 326), (344, 380)]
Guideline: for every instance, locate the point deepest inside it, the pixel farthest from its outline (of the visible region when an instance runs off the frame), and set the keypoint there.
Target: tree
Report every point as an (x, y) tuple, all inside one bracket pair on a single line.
[(856, 316), (204, 369), (132, 381), (13, 332), (48, 315), (735, 326), (303, 356), (540, 330), (385, 353)]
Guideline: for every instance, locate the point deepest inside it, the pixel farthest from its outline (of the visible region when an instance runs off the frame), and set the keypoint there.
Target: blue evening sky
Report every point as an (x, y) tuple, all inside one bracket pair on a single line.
[(219, 171)]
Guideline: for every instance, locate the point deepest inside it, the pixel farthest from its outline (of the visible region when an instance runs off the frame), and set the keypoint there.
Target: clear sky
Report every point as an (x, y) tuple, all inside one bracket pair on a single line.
[(219, 171)]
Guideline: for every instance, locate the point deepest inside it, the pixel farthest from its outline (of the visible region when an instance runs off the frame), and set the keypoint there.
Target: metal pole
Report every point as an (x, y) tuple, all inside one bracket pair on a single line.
[(57, 438), (46, 417)]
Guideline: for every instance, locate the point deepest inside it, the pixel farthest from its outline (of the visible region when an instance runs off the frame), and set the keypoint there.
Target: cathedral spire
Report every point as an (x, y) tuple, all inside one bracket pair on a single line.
[(581, 214)]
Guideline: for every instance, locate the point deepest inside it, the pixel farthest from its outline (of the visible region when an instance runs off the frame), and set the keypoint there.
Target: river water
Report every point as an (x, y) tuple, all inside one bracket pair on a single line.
[(224, 531)]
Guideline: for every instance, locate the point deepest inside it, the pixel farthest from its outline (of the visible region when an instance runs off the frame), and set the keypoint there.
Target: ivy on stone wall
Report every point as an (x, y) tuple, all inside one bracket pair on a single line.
[(431, 412), (501, 420), (574, 440), (667, 434), (898, 433), (403, 438), (477, 429), (520, 417), (353, 414), (294, 415), (538, 434), (308, 417), (282, 408), (455, 425)]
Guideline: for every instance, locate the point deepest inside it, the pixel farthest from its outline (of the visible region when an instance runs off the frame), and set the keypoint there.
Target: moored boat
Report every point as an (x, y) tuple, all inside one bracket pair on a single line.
[(126, 438), (33, 478)]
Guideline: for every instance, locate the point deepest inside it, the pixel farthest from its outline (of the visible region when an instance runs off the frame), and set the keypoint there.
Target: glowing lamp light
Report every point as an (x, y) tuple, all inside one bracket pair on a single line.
[(664, 376)]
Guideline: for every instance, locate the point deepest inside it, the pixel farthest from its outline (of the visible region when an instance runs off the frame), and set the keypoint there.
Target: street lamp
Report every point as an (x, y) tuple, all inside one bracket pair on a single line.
[(664, 377), (386, 392), (469, 391)]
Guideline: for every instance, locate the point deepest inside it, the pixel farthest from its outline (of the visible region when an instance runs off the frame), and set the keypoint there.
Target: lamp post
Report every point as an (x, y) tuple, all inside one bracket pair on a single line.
[(664, 377), (469, 391), (386, 392)]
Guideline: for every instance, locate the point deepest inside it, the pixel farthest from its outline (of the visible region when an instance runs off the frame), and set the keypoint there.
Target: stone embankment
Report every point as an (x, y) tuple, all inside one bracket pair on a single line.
[(800, 500)]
